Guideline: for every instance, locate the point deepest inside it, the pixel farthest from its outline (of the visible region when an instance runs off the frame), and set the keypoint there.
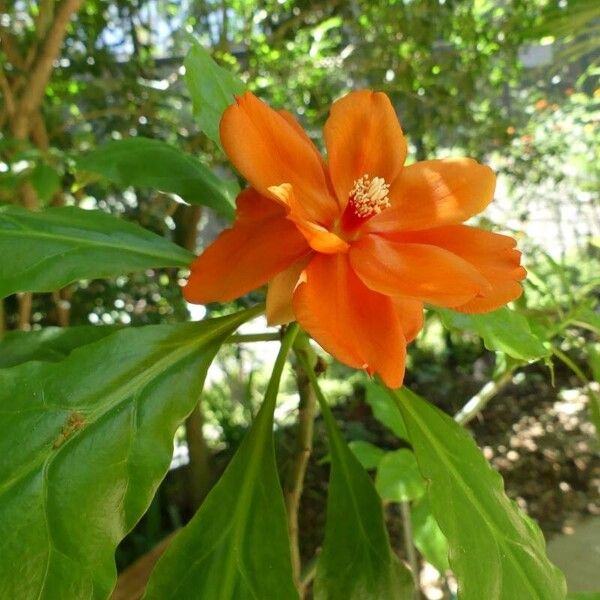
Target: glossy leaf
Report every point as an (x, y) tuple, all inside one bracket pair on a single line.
[(505, 330), (398, 478), (495, 551), (212, 89), (86, 441), (356, 560), (427, 535), (384, 409), (43, 251), (369, 455), (236, 547), (49, 344), (155, 164)]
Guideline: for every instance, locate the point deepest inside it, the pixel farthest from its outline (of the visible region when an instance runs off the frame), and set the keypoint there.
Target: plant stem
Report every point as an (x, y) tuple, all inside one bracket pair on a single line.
[(200, 475), (309, 571), (478, 402), (25, 303), (411, 553), (295, 482), (241, 338)]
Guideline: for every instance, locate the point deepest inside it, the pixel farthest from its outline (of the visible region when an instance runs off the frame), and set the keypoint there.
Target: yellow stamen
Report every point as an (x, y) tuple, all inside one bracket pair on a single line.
[(369, 196)]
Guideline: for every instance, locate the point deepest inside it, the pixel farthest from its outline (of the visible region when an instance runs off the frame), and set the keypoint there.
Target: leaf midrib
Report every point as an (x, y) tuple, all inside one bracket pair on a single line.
[(32, 233), (51, 456), (498, 535)]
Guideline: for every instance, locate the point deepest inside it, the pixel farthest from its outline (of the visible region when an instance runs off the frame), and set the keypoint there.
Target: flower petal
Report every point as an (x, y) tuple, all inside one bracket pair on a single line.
[(261, 243), (268, 151), (420, 271), (492, 254), (433, 193), (356, 325), (279, 309), (318, 237), (363, 136), (291, 119), (411, 315)]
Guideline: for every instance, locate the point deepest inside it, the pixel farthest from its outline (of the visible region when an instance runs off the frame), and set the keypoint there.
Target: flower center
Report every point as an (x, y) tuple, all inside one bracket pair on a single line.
[(369, 196)]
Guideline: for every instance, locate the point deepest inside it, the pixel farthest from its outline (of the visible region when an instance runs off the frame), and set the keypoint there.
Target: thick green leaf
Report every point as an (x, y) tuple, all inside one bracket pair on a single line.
[(155, 164), (384, 409), (495, 551), (212, 89), (85, 443), (398, 477), (369, 456), (49, 344), (428, 536), (43, 251), (236, 547), (356, 561), (505, 330)]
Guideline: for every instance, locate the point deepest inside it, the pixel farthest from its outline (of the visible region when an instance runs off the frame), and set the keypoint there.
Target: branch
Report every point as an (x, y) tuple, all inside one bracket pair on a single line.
[(40, 73), (199, 470), (9, 101), (409, 544), (297, 20), (478, 402), (25, 302), (295, 482)]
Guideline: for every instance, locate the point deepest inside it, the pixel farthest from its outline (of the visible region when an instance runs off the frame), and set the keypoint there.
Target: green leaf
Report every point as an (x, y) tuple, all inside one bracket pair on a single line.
[(384, 409), (398, 477), (212, 88), (65, 244), (586, 316), (584, 596), (505, 330), (10, 181), (495, 551), (593, 352), (356, 561), (369, 456), (155, 164), (49, 344), (45, 180), (236, 547), (86, 442), (427, 535)]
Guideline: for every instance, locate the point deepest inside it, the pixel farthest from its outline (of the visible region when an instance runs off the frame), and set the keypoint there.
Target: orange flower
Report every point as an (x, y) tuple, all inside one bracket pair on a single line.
[(353, 248)]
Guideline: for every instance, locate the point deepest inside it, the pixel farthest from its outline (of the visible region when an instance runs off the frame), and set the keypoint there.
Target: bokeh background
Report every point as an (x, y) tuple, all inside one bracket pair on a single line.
[(514, 83)]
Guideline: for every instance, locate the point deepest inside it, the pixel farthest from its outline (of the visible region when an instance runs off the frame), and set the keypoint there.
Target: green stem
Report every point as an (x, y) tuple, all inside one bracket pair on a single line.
[(241, 338), (2, 318), (565, 359), (286, 345), (480, 400), (409, 545), (295, 480)]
